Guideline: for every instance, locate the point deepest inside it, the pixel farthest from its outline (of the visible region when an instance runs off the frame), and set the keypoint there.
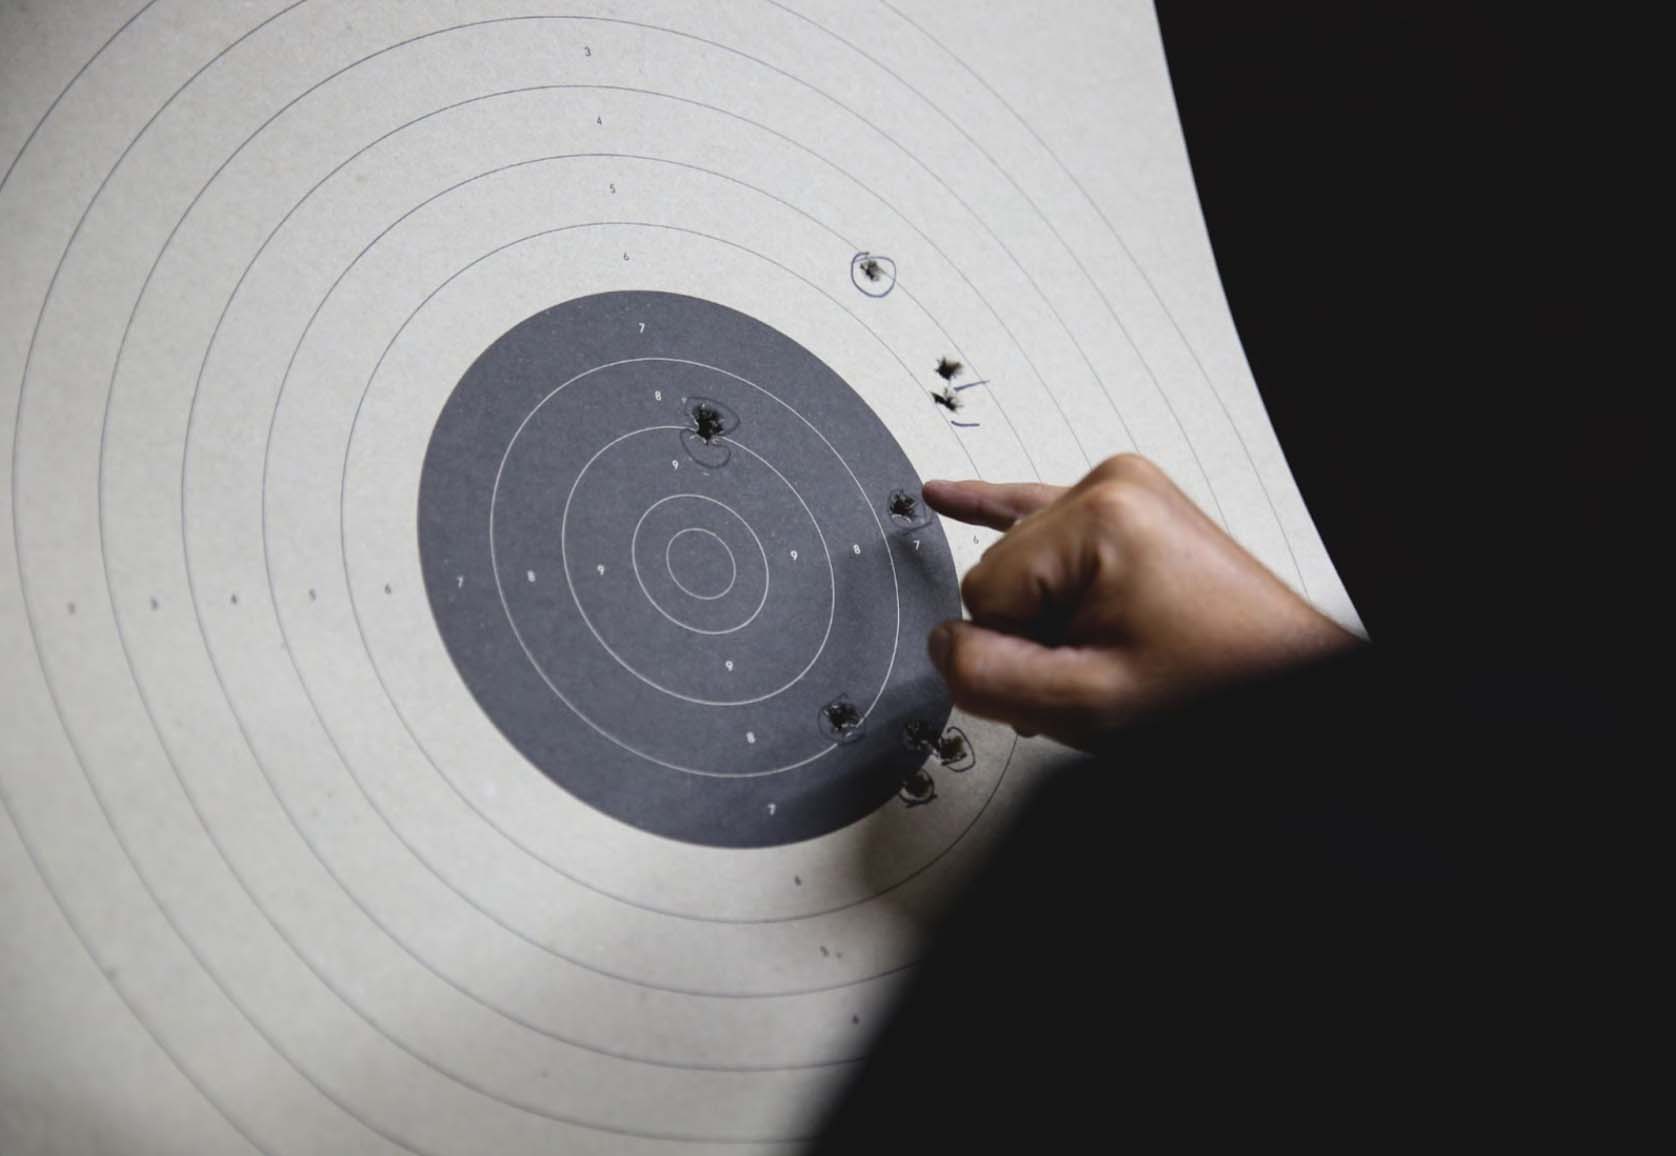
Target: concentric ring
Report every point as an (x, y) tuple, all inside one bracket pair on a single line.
[(769, 775), (670, 566), (236, 765)]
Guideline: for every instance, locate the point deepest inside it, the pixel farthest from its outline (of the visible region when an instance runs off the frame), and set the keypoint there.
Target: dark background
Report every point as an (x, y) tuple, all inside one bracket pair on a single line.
[(1384, 903), (1415, 211)]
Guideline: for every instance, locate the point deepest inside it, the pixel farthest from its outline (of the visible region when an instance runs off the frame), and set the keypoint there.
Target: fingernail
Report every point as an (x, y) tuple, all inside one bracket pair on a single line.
[(938, 645)]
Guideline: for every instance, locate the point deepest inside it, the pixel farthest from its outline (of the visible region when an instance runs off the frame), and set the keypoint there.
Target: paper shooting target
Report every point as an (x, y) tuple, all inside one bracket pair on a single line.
[(464, 591)]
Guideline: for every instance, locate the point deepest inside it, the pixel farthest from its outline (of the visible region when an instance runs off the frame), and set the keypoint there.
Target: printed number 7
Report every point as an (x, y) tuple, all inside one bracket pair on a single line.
[(642, 327)]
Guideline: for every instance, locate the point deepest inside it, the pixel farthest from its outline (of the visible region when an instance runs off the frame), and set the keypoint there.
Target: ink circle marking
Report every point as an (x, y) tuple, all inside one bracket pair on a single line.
[(873, 273), (749, 610)]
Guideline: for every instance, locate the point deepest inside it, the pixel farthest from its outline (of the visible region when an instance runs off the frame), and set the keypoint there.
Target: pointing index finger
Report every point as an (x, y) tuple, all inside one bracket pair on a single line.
[(988, 504)]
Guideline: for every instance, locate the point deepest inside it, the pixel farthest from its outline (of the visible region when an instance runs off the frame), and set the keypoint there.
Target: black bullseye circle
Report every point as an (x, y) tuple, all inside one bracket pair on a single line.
[(657, 540)]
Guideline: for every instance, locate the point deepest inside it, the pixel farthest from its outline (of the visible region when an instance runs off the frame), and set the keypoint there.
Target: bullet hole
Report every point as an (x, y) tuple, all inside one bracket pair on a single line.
[(841, 720), (917, 788), (707, 422)]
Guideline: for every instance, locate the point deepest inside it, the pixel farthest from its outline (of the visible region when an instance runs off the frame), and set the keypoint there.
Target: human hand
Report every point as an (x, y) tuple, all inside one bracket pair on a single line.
[(1108, 598)]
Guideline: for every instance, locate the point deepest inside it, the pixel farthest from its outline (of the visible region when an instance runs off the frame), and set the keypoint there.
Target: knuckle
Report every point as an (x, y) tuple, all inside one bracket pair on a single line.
[(1129, 467), (1121, 506)]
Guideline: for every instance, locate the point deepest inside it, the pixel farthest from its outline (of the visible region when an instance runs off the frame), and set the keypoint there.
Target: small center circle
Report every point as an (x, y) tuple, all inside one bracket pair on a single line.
[(700, 563)]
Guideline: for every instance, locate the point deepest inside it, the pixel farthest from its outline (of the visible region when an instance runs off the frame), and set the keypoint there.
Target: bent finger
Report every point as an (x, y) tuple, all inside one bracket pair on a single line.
[(1068, 692)]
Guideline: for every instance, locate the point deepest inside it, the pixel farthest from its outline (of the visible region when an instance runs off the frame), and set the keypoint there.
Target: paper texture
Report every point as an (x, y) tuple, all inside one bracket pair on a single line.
[(272, 877)]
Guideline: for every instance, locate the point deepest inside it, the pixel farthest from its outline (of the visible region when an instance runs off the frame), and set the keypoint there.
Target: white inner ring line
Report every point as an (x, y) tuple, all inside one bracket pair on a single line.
[(669, 563), (500, 592), (635, 563), (564, 563)]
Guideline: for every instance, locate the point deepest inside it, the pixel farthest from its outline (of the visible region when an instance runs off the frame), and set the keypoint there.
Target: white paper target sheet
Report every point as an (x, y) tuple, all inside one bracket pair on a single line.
[(463, 595)]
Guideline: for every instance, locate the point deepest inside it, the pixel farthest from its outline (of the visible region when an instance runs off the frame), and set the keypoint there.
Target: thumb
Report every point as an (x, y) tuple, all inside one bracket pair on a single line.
[(1069, 692)]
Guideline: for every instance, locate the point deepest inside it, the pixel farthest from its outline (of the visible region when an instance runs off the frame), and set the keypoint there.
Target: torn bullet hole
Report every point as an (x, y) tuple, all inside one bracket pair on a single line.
[(842, 715), (919, 735), (948, 369), (947, 398), (954, 750), (705, 440), (906, 510), (917, 788), (710, 418), (873, 274), (841, 720), (707, 422)]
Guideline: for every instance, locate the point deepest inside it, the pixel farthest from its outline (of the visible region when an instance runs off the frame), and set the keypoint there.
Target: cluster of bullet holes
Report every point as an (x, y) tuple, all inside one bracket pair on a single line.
[(841, 721), (950, 747), (949, 395), (874, 274)]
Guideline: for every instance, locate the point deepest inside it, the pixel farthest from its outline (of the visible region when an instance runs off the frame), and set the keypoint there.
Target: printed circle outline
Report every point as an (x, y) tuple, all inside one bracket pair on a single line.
[(564, 555), (635, 563), (732, 562), (494, 567)]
